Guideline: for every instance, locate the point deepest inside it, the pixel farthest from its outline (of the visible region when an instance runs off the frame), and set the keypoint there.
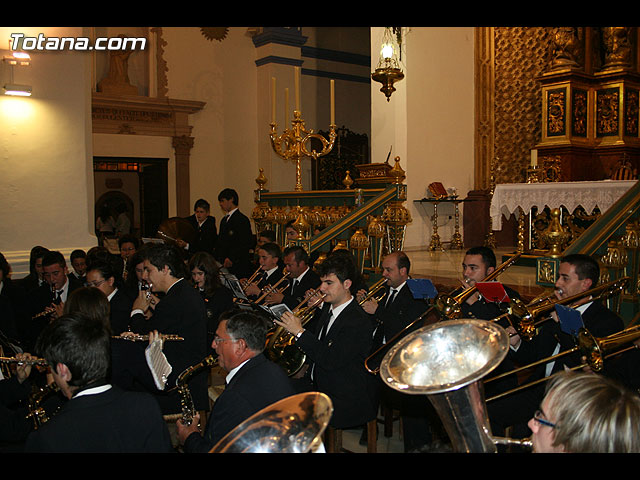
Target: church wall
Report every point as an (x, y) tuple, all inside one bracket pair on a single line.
[(45, 143)]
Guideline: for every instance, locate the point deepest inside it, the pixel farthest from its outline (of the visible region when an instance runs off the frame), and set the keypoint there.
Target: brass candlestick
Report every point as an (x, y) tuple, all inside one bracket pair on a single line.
[(292, 143)]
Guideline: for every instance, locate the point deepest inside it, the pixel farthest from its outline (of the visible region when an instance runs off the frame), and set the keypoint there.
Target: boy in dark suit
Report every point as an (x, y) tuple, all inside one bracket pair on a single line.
[(235, 238)]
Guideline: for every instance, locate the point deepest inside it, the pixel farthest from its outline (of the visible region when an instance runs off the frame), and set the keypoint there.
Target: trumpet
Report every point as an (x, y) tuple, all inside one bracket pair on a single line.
[(245, 283), (269, 289), (372, 294), (32, 361), (137, 337), (446, 305), (281, 348)]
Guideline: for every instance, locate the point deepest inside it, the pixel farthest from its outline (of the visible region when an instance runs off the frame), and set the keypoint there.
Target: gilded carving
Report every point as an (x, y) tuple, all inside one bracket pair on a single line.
[(579, 112), (607, 118), (631, 112), (616, 43), (556, 111), (566, 47)]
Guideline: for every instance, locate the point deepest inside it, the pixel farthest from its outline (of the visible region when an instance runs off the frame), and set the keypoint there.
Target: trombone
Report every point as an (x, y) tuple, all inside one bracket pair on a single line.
[(523, 317), (595, 350), (447, 306), (373, 293)]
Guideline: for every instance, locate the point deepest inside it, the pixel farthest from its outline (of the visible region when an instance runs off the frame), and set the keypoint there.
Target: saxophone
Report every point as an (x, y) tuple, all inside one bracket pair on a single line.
[(36, 410), (186, 401)]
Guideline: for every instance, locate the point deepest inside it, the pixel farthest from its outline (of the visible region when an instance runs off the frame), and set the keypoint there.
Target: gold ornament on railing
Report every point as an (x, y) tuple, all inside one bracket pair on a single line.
[(292, 143)]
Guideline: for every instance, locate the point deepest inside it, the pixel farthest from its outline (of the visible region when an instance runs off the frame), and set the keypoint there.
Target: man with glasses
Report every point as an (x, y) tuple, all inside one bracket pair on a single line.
[(253, 382), (586, 413)]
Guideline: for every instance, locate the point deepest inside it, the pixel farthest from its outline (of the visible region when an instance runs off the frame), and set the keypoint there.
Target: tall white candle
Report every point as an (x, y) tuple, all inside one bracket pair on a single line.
[(286, 108), (333, 103), (273, 99), (297, 86), (534, 158)]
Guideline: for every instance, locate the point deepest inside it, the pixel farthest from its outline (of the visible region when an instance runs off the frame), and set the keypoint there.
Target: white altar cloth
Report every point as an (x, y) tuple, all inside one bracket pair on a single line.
[(507, 197)]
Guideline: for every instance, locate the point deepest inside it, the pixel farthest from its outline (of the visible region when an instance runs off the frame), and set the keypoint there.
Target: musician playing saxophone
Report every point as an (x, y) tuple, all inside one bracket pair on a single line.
[(14, 423), (252, 383)]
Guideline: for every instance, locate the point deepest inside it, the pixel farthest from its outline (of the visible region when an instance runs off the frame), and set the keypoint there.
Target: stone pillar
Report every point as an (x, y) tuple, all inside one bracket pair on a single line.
[(182, 146)]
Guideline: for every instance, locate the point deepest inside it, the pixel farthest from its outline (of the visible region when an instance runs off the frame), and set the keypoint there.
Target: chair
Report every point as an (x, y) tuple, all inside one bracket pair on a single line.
[(333, 438)]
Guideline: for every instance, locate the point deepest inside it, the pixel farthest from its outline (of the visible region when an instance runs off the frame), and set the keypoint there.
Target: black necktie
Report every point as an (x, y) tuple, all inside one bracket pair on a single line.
[(391, 297), (58, 298), (325, 325), (294, 285)]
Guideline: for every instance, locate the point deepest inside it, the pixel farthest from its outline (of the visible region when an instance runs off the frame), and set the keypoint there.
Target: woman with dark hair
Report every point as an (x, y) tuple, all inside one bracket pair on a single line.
[(91, 302), (205, 276)]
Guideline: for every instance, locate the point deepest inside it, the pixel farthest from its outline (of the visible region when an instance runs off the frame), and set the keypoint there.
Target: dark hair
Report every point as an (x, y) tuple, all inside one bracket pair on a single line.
[(201, 203), (586, 267), (488, 257), (36, 253), (300, 254), (161, 254), (77, 254), (251, 327), (79, 342), (53, 257), (204, 261), (89, 301), (97, 253), (4, 267), (229, 194), (340, 265), (105, 268), (272, 249), (128, 239), (402, 260), (270, 234)]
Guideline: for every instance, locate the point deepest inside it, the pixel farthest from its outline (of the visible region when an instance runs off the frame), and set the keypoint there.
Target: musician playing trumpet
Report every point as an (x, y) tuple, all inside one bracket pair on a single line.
[(271, 272), (296, 261)]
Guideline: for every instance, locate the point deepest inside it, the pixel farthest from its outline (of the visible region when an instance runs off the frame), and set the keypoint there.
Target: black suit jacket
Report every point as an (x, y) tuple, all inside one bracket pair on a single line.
[(293, 296), (257, 384), (206, 235), (114, 421), (120, 306), (391, 319), (40, 298), (235, 239), (180, 312), (337, 362)]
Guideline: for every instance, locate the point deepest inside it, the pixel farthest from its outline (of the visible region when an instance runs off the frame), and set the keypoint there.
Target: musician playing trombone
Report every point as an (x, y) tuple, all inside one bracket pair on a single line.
[(577, 274)]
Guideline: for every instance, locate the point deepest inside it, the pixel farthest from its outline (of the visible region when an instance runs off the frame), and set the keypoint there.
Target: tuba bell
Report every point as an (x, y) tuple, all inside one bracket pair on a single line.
[(446, 362)]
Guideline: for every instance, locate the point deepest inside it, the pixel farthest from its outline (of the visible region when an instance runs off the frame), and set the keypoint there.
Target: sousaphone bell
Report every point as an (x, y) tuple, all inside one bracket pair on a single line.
[(445, 361)]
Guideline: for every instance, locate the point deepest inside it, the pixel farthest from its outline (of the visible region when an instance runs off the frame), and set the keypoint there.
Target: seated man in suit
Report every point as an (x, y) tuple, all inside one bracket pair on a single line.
[(128, 247), (269, 259), (181, 311), (337, 347), (235, 238), (102, 276), (577, 274), (99, 417), (253, 382), (50, 296), (397, 309), (303, 278), (205, 227)]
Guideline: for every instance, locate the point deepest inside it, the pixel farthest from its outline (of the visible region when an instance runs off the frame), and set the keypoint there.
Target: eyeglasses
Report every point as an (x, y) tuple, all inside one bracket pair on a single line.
[(218, 340), (538, 418), (95, 284)]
